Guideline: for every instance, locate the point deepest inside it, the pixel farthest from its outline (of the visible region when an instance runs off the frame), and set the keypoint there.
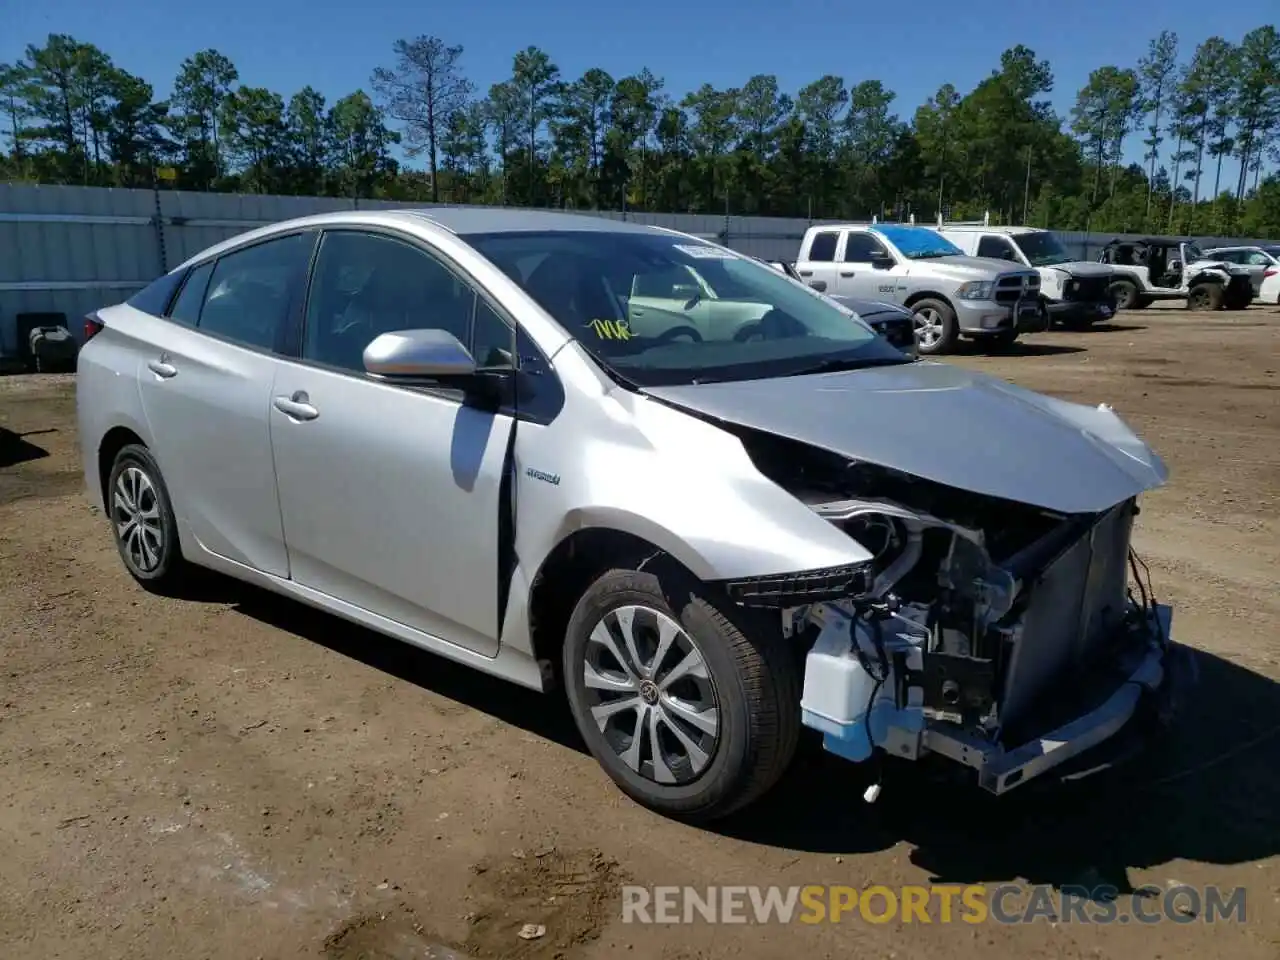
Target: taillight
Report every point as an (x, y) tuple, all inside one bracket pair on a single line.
[(1271, 272), (92, 325)]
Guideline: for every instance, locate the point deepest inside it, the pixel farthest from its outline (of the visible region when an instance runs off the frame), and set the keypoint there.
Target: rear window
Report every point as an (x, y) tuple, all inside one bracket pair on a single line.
[(155, 296)]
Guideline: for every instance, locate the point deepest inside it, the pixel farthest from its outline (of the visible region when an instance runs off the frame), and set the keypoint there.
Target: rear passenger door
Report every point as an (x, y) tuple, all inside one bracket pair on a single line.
[(818, 268), (206, 390)]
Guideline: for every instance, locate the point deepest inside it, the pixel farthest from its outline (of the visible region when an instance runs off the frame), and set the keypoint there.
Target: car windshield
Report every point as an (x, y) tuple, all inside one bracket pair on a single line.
[(660, 309), (917, 243), (1041, 249)]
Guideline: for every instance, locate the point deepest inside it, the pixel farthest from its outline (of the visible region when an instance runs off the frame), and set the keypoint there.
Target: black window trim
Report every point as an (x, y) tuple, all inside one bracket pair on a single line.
[(176, 278), (182, 286), (530, 360)]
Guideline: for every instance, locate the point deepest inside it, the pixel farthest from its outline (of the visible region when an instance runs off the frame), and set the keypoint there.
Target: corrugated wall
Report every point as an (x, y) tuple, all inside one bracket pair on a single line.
[(72, 249)]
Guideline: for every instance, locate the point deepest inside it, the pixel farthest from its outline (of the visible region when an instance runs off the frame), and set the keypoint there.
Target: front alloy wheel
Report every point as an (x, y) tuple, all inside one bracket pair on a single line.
[(691, 704), (650, 694)]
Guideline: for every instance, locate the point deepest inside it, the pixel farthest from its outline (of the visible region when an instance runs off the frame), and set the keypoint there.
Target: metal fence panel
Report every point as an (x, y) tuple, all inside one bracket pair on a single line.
[(73, 249)]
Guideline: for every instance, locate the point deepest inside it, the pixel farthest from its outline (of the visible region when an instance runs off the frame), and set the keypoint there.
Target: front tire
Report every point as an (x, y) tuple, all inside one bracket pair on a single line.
[(691, 707), (936, 328), (1205, 296), (142, 521)]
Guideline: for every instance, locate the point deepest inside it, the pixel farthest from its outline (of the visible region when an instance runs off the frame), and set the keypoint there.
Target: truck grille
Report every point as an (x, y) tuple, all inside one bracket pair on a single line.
[(1011, 289), (1077, 606), (1086, 289)]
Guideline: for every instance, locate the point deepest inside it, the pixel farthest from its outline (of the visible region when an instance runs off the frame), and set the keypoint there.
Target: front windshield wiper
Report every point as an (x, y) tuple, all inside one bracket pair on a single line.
[(834, 364), (929, 255)]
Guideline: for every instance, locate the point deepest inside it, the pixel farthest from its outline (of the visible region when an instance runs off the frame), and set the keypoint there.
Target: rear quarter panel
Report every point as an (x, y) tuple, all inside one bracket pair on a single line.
[(107, 393)]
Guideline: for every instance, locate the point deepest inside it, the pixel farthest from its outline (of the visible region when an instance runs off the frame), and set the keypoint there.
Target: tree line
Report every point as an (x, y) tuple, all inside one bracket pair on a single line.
[(832, 149)]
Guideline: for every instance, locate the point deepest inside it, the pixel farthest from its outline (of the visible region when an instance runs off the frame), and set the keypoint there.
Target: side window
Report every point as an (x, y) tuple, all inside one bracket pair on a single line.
[(492, 342), (823, 247), (186, 309), (861, 248), (660, 284), (154, 297), (366, 284), (997, 248), (248, 292), (1259, 259)]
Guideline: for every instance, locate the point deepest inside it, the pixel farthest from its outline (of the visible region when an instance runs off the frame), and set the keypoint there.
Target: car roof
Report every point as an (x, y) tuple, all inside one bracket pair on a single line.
[(469, 220), (1152, 241), (979, 228), (461, 221)]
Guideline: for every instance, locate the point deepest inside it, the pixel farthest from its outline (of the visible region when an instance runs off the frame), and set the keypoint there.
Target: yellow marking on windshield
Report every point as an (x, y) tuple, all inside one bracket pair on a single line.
[(610, 329)]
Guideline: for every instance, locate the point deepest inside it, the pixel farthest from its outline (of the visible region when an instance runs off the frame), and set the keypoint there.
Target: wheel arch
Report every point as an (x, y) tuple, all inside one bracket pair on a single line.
[(113, 441), (915, 298), (571, 566)]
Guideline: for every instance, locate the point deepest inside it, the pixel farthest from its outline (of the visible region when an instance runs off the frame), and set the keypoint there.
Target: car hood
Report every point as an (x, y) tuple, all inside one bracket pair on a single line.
[(1081, 269), (967, 268), (949, 425), (869, 308)]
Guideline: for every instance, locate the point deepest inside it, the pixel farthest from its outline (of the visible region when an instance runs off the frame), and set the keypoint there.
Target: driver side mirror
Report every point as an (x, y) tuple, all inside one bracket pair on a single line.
[(685, 291), (880, 260), (418, 354)]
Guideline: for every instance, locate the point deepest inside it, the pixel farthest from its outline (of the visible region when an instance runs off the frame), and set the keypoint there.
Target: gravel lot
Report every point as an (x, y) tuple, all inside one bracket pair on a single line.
[(235, 776)]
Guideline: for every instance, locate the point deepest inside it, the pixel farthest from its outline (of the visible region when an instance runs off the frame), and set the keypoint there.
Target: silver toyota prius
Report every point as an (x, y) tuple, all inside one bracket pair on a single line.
[(706, 503)]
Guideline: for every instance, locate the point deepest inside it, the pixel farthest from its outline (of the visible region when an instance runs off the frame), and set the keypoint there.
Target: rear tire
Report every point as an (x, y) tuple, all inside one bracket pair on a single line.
[(142, 521), (1205, 296), (712, 738), (936, 327)]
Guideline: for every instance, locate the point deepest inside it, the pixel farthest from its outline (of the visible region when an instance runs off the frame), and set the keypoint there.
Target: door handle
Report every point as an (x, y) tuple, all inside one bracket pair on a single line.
[(297, 407), (162, 368), (846, 273), (805, 273), (819, 285)]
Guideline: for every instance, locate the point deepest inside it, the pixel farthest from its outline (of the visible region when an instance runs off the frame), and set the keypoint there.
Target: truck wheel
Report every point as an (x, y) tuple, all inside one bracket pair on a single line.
[(692, 712), (1125, 293), (936, 328), (1205, 296)]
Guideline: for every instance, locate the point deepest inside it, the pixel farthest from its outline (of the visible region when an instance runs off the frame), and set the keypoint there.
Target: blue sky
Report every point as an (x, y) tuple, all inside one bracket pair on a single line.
[(913, 46)]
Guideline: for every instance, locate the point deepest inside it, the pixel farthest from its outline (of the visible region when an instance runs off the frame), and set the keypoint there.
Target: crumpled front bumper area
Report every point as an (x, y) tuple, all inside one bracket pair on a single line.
[(858, 713)]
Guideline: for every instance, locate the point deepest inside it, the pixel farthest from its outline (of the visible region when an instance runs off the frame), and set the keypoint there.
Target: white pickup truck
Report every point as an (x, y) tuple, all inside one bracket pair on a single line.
[(1076, 293), (951, 295)]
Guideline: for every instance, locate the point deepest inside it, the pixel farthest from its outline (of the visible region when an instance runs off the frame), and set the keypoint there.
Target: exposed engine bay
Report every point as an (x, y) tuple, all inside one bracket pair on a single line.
[(979, 624)]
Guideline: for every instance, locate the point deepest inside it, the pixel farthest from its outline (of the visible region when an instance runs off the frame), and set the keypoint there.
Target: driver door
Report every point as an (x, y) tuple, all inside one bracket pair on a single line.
[(389, 493), (857, 277)]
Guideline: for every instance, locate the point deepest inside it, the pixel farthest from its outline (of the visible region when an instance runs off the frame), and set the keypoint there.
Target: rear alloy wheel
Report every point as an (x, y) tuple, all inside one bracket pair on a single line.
[(688, 714), (935, 324), (1205, 296), (142, 520)]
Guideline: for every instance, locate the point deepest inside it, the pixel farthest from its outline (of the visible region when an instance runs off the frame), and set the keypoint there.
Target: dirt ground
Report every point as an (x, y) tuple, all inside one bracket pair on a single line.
[(235, 776)]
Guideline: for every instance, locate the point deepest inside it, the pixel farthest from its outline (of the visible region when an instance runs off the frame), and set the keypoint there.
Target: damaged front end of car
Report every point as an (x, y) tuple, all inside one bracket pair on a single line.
[(1006, 637)]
